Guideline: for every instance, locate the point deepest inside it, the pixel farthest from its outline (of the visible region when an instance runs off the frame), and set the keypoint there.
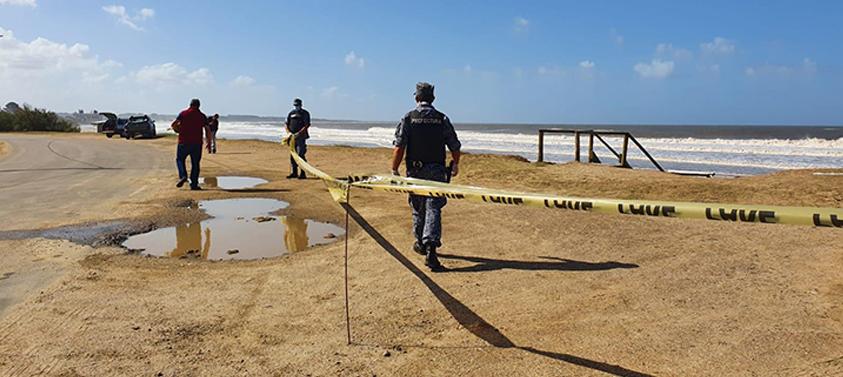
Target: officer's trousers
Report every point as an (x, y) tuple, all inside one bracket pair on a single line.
[(427, 211), (301, 150)]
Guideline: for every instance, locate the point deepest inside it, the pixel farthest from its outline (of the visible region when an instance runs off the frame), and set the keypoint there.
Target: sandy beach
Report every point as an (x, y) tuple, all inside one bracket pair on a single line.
[(527, 292)]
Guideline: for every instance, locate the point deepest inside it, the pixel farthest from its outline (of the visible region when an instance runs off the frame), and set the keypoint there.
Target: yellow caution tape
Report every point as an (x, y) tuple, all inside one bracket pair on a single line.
[(821, 217)]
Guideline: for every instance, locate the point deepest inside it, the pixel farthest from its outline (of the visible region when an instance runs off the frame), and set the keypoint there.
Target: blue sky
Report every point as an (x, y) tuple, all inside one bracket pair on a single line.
[(671, 62)]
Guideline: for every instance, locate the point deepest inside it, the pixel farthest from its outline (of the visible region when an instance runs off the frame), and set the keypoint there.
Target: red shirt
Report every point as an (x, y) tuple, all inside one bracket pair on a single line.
[(192, 122)]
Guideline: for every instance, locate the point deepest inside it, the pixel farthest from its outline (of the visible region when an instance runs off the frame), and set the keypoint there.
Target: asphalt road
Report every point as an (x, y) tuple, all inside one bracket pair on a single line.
[(49, 180)]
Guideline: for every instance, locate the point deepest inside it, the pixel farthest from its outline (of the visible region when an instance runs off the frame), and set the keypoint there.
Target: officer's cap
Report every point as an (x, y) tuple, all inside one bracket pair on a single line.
[(424, 89), (297, 101)]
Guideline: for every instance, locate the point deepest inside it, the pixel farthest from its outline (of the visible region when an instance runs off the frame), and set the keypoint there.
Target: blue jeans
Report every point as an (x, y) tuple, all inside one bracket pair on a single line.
[(195, 153), (427, 211)]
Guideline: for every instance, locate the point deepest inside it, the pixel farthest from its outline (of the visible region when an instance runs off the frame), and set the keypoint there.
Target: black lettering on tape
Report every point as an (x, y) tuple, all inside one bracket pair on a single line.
[(669, 211), (647, 210), (446, 195), (740, 214), (834, 221), (728, 216), (569, 204), (503, 199), (768, 217)]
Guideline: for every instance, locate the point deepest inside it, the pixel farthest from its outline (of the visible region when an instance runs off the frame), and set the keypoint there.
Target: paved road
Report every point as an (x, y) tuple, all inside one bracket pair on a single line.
[(55, 179)]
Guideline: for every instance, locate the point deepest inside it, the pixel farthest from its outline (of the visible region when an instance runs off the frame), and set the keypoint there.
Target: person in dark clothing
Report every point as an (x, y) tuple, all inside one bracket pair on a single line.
[(422, 136), (213, 126), (190, 124), (298, 121)]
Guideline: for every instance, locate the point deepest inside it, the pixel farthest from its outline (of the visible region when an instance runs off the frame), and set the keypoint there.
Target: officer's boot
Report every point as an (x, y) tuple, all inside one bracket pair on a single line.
[(418, 248), (302, 175), (431, 260), (294, 174)]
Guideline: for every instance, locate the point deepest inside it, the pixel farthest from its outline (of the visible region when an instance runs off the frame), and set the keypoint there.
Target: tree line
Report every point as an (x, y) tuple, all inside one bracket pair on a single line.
[(16, 118)]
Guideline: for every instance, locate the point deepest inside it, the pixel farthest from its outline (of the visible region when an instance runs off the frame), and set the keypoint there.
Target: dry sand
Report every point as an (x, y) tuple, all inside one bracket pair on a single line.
[(4, 149), (529, 291)]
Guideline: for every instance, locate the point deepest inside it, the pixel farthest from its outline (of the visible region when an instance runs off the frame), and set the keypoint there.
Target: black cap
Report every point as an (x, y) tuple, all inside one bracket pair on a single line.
[(194, 102), (297, 101), (424, 90)]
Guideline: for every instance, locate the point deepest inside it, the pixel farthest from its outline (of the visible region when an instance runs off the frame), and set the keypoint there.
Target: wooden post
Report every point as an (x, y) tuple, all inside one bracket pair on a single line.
[(591, 147), (625, 149), (577, 146), (541, 146), (653, 160)]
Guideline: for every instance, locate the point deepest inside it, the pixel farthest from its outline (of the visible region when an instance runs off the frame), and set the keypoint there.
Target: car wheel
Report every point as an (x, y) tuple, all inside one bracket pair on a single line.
[(109, 135)]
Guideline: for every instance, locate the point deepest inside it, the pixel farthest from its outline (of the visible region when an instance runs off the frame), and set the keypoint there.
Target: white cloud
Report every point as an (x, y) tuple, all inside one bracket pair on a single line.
[(587, 64), (200, 76), (807, 68), (656, 69), (520, 24), (242, 81), (667, 49), (549, 71), (28, 3), (353, 60), (42, 58), (719, 45), (125, 18), (146, 13), (169, 74)]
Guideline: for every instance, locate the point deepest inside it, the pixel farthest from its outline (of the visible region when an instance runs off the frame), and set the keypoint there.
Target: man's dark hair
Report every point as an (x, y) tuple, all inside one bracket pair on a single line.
[(194, 102)]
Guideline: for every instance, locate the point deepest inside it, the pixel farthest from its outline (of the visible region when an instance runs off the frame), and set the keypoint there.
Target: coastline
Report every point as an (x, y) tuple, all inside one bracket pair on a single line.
[(572, 293)]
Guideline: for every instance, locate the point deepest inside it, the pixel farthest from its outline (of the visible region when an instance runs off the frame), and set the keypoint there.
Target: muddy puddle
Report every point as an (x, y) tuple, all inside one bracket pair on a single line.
[(231, 182), (239, 229)]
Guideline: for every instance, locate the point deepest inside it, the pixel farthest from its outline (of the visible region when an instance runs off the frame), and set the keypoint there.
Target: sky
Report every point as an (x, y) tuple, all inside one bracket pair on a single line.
[(597, 62)]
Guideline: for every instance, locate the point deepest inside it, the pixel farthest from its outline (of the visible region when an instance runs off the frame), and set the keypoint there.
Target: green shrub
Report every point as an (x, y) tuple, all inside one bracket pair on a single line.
[(32, 119), (7, 122)]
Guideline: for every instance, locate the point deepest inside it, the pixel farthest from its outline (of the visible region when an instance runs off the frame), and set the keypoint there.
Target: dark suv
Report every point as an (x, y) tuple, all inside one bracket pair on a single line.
[(112, 125), (142, 126)]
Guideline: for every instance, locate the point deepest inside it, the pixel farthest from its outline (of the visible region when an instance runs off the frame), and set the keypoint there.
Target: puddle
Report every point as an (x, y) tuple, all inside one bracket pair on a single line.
[(231, 182), (239, 229)]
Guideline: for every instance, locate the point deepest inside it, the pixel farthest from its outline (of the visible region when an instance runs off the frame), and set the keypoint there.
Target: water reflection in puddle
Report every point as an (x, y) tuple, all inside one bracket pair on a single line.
[(239, 229), (231, 182)]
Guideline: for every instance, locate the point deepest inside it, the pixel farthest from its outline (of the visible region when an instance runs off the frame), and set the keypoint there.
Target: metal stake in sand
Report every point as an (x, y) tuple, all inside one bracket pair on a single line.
[(347, 321)]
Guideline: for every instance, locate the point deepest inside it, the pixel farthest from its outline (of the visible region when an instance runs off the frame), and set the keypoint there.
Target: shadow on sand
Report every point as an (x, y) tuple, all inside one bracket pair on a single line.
[(471, 320), (560, 264)]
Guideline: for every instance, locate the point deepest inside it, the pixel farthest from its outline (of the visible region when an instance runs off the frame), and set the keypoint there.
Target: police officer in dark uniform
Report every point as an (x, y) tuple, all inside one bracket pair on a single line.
[(298, 121), (422, 136)]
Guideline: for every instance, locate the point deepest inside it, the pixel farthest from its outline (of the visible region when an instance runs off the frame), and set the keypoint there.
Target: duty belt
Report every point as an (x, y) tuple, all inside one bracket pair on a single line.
[(421, 164)]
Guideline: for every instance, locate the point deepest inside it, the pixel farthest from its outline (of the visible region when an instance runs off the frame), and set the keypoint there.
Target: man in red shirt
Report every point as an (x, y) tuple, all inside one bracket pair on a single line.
[(189, 125)]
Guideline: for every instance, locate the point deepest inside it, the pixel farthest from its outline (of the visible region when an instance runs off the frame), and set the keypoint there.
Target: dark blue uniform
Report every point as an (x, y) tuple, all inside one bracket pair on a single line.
[(425, 132), (297, 120)]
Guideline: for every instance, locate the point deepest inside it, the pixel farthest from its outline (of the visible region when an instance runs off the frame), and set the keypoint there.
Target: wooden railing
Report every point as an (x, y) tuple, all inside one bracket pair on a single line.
[(597, 134)]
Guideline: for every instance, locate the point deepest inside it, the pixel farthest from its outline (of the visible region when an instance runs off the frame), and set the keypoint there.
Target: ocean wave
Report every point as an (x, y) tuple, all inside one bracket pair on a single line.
[(723, 154)]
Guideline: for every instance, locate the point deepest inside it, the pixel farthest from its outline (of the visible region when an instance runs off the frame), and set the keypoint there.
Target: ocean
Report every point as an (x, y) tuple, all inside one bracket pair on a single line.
[(723, 150)]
